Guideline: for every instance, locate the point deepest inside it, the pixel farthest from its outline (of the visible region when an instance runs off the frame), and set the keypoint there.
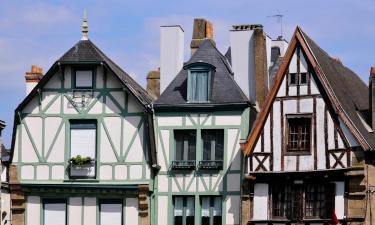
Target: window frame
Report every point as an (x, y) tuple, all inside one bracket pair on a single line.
[(184, 163), (184, 207), (111, 201), (203, 69), (88, 122), (329, 190), (298, 79), (288, 151), (212, 163), (83, 68), (54, 201), (212, 205)]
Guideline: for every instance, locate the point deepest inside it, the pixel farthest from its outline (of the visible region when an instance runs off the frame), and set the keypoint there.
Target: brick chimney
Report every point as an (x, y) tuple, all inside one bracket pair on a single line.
[(153, 83), (203, 29), (33, 78), (372, 96)]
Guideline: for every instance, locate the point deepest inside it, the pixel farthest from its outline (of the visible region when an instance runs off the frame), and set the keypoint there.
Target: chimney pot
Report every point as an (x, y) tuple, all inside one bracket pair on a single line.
[(202, 29), (33, 77), (153, 83), (372, 71)]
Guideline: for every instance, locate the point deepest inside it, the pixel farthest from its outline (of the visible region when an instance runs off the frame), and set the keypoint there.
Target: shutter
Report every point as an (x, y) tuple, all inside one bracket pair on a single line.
[(110, 214), (329, 199), (205, 207), (54, 214), (83, 142), (84, 78), (178, 206)]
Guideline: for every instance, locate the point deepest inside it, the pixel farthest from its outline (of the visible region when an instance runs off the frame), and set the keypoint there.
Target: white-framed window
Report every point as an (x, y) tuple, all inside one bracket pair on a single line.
[(111, 212), (54, 212), (211, 210), (83, 138), (83, 78), (184, 207)]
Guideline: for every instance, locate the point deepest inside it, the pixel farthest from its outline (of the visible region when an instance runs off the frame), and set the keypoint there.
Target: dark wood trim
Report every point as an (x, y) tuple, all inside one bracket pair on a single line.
[(271, 137), (282, 132), (335, 136), (314, 129), (297, 162), (326, 136), (286, 82), (308, 77), (297, 97), (298, 77)]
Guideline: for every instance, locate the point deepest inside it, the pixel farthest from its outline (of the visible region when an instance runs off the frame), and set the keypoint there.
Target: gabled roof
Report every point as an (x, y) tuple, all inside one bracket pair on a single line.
[(224, 91), (337, 81)]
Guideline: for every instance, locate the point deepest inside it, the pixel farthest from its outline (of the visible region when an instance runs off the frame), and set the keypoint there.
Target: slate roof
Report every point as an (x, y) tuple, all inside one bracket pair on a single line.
[(224, 91), (351, 92), (86, 51)]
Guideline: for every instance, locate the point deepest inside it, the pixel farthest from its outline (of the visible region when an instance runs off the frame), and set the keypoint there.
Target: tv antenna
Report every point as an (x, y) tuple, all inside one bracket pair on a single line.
[(279, 18)]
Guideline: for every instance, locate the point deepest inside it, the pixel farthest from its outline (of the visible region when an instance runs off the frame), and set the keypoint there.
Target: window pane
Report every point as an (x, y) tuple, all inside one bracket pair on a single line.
[(299, 134), (303, 78), (178, 206), (54, 213), (205, 207), (217, 206), (83, 142), (213, 144), (217, 220), (178, 220), (84, 78), (198, 86), (205, 220), (293, 78), (185, 144), (190, 206), (110, 214)]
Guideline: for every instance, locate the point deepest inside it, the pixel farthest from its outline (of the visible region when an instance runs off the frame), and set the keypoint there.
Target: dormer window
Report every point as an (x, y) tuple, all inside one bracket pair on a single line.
[(199, 85)]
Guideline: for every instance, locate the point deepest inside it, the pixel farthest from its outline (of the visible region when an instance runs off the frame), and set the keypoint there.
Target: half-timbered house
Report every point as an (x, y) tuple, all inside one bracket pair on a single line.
[(80, 151), (310, 147)]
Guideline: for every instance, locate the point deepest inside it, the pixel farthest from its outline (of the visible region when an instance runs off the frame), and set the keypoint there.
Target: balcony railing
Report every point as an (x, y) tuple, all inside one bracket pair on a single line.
[(82, 171), (211, 165), (183, 164)]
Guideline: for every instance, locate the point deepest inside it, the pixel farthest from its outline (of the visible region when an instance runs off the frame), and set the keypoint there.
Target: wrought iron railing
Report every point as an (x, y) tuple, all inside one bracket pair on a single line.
[(211, 164), (183, 164)]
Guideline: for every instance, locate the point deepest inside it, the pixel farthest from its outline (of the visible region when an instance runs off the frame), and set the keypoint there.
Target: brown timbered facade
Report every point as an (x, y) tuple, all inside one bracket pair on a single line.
[(306, 154)]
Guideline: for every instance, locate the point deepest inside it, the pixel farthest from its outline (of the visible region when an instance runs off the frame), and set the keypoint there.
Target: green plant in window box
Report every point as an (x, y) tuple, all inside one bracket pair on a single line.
[(79, 161)]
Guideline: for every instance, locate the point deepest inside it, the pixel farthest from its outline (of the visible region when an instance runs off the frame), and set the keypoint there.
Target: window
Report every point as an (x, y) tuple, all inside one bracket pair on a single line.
[(299, 129), (184, 210), (83, 145), (185, 144), (211, 210), (298, 201), (110, 212), (83, 79), (294, 79), (213, 149), (199, 85), (54, 212)]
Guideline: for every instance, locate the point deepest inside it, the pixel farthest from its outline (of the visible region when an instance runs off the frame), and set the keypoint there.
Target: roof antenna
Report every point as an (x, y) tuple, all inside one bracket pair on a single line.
[(279, 18), (85, 27)]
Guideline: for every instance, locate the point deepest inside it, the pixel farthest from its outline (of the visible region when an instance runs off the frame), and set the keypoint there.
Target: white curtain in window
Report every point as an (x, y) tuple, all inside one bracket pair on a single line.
[(190, 206), (83, 142), (110, 214), (178, 206), (202, 86), (205, 207), (217, 206), (54, 214), (84, 78)]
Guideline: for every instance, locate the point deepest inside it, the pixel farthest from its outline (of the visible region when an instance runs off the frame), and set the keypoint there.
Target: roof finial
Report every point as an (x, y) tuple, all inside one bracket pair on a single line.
[(85, 27)]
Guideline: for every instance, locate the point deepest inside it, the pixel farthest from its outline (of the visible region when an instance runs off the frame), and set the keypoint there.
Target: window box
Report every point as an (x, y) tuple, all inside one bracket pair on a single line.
[(211, 165), (183, 164), (86, 170)]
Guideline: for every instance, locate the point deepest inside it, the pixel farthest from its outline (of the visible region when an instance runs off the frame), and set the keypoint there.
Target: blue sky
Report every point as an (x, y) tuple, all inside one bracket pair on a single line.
[(39, 32)]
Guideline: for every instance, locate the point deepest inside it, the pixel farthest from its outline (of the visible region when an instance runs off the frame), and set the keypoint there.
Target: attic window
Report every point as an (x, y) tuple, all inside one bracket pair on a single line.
[(199, 85), (83, 79)]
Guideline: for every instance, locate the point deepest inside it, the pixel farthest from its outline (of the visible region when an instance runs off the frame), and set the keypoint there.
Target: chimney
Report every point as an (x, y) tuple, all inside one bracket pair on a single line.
[(33, 78), (372, 96), (153, 83), (171, 53), (249, 61), (202, 29)]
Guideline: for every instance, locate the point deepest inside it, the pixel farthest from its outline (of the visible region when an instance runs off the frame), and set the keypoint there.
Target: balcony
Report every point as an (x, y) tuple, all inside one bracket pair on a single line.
[(85, 171), (211, 165), (183, 165)]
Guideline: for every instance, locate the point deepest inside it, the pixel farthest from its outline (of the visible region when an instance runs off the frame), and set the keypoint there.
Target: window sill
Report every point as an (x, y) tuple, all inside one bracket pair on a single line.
[(88, 180), (296, 153)]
